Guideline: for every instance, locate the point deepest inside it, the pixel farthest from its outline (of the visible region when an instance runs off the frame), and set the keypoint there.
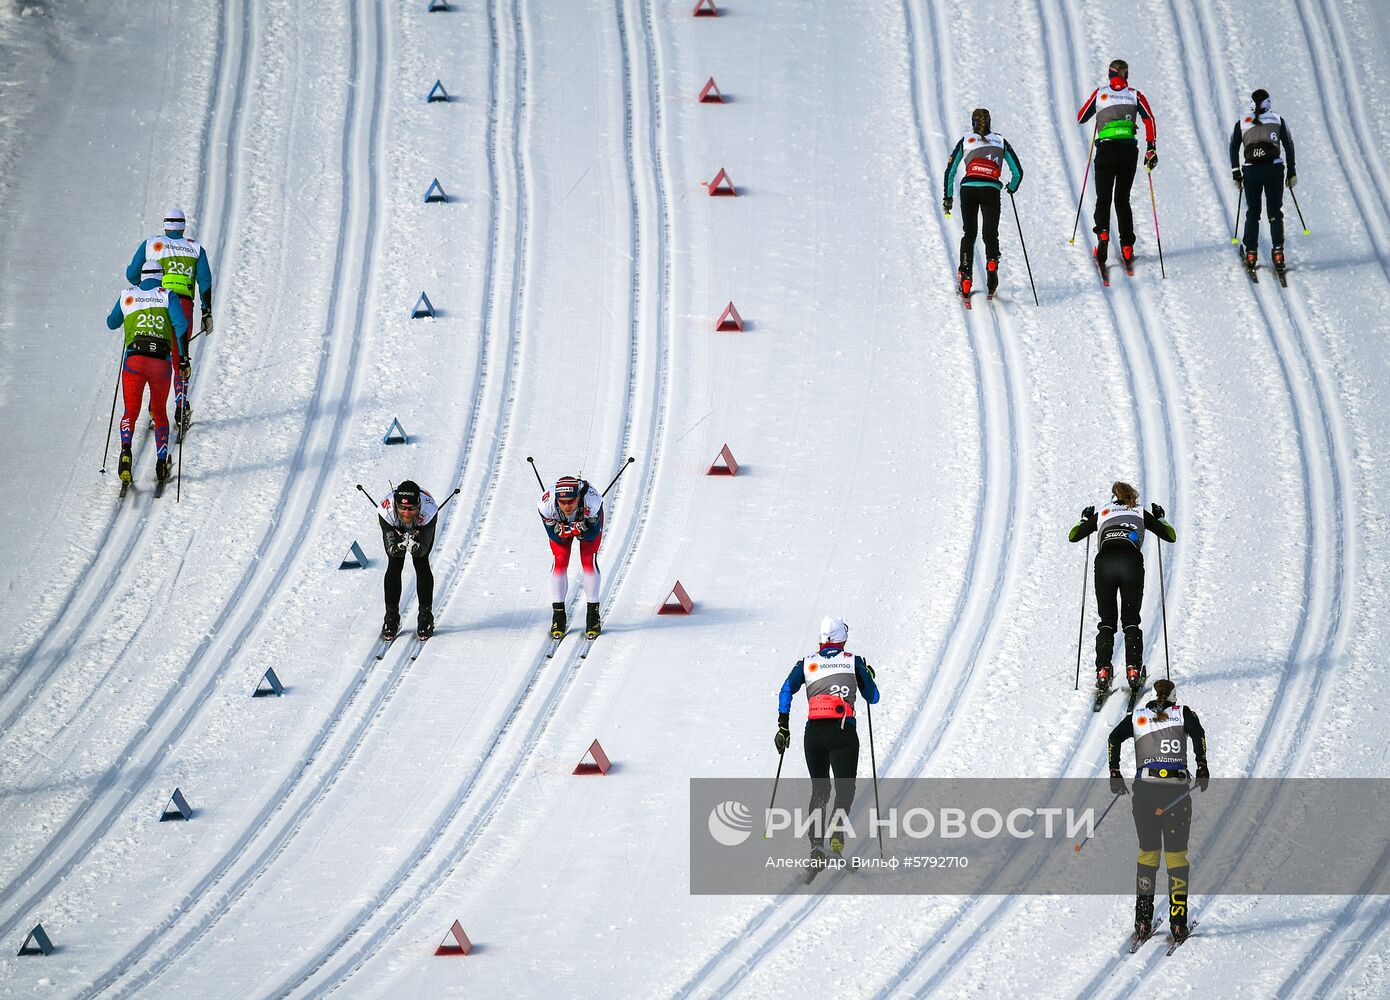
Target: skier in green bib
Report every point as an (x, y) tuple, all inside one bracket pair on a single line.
[(185, 263)]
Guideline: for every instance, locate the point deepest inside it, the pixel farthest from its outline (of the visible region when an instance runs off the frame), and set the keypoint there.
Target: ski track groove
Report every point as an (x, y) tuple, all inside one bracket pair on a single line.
[(1284, 716), (352, 128), (977, 605), (513, 762), (85, 612), (924, 961)]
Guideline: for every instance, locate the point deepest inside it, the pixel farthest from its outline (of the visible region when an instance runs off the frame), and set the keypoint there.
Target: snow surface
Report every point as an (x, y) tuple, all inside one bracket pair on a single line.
[(907, 465)]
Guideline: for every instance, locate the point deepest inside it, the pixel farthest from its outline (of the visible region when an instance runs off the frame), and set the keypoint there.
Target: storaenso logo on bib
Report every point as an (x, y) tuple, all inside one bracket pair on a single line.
[(730, 823)]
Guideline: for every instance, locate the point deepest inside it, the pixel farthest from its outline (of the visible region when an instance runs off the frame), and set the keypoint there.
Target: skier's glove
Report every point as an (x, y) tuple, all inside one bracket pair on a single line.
[(1151, 157), (415, 547), (1158, 511), (1087, 513), (395, 544), (207, 319), (1013, 188), (1293, 179), (186, 370), (783, 738), (1238, 176), (949, 203), (1203, 775), (1117, 782)]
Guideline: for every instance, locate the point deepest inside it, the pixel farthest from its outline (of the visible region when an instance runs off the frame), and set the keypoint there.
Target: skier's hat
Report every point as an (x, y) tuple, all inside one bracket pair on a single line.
[(175, 221), (834, 630), (568, 488), (151, 269), (407, 496)]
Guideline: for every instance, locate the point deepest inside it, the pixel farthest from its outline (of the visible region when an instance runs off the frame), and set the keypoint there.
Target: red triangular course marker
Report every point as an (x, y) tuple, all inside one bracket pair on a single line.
[(683, 604), (729, 321), (601, 762), (706, 8), (460, 944), (722, 186), (729, 468), (709, 93)]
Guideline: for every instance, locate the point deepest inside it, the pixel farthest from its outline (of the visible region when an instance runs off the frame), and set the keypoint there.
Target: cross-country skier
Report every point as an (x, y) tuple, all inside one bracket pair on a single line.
[(185, 263), (833, 678), (1160, 731), (156, 338), (408, 518), (573, 509), (1119, 568), (1118, 108), (1261, 140), (982, 153)]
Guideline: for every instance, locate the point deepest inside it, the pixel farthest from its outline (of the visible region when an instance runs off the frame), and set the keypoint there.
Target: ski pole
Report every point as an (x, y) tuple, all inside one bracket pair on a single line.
[(873, 760), (1081, 628), (538, 475), (1299, 211), (1163, 606), (1153, 200), (369, 497), (1025, 249), (1163, 809), (629, 461), (1235, 223), (106, 448), (178, 481), (448, 498), (1088, 836), (767, 834), (1084, 178)]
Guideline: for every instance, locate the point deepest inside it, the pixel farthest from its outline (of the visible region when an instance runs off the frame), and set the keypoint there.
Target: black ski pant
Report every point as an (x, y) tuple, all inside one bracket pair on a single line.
[(830, 747), (1166, 834), (395, 564), (978, 200), (1119, 594), (1264, 180), (1116, 162)]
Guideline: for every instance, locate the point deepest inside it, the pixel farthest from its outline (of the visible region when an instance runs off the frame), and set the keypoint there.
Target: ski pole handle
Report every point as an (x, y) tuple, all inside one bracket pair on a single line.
[(629, 461), (450, 497), (532, 462), (368, 496)]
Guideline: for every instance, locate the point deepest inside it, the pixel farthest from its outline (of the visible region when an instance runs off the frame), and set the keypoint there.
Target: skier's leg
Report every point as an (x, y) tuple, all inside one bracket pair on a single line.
[(1254, 192), (424, 576), (588, 561), (1105, 188), (395, 565), (989, 206), (158, 375), (1146, 868), (1274, 200), (817, 750), (1107, 607), (132, 394), (559, 570), (1126, 163), (844, 762), (969, 219), (1131, 601), (180, 390), (1177, 824)]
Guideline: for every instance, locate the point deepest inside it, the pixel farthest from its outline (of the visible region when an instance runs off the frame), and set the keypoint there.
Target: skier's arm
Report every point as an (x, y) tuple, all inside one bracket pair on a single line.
[(391, 537), (115, 318), (1118, 735), (794, 682), (948, 183), (132, 272), (1015, 168), (1088, 109), (204, 277), (1235, 147), (1083, 527), (1286, 137), (1193, 727), (1146, 115), (864, 675), (1160, 526)]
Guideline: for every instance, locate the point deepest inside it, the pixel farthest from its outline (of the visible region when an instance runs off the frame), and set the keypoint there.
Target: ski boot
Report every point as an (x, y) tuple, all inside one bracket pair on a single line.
[(592, 625), (991, 276), (183, 414), (1278, 257), (1134, 676), (1250, 257), (126, 461), (391, 626), (963, 280), (424, 624), (1179, 930), (1103, 678), (163, 466), (1127, 255), (558, 623), (1102, 250)]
